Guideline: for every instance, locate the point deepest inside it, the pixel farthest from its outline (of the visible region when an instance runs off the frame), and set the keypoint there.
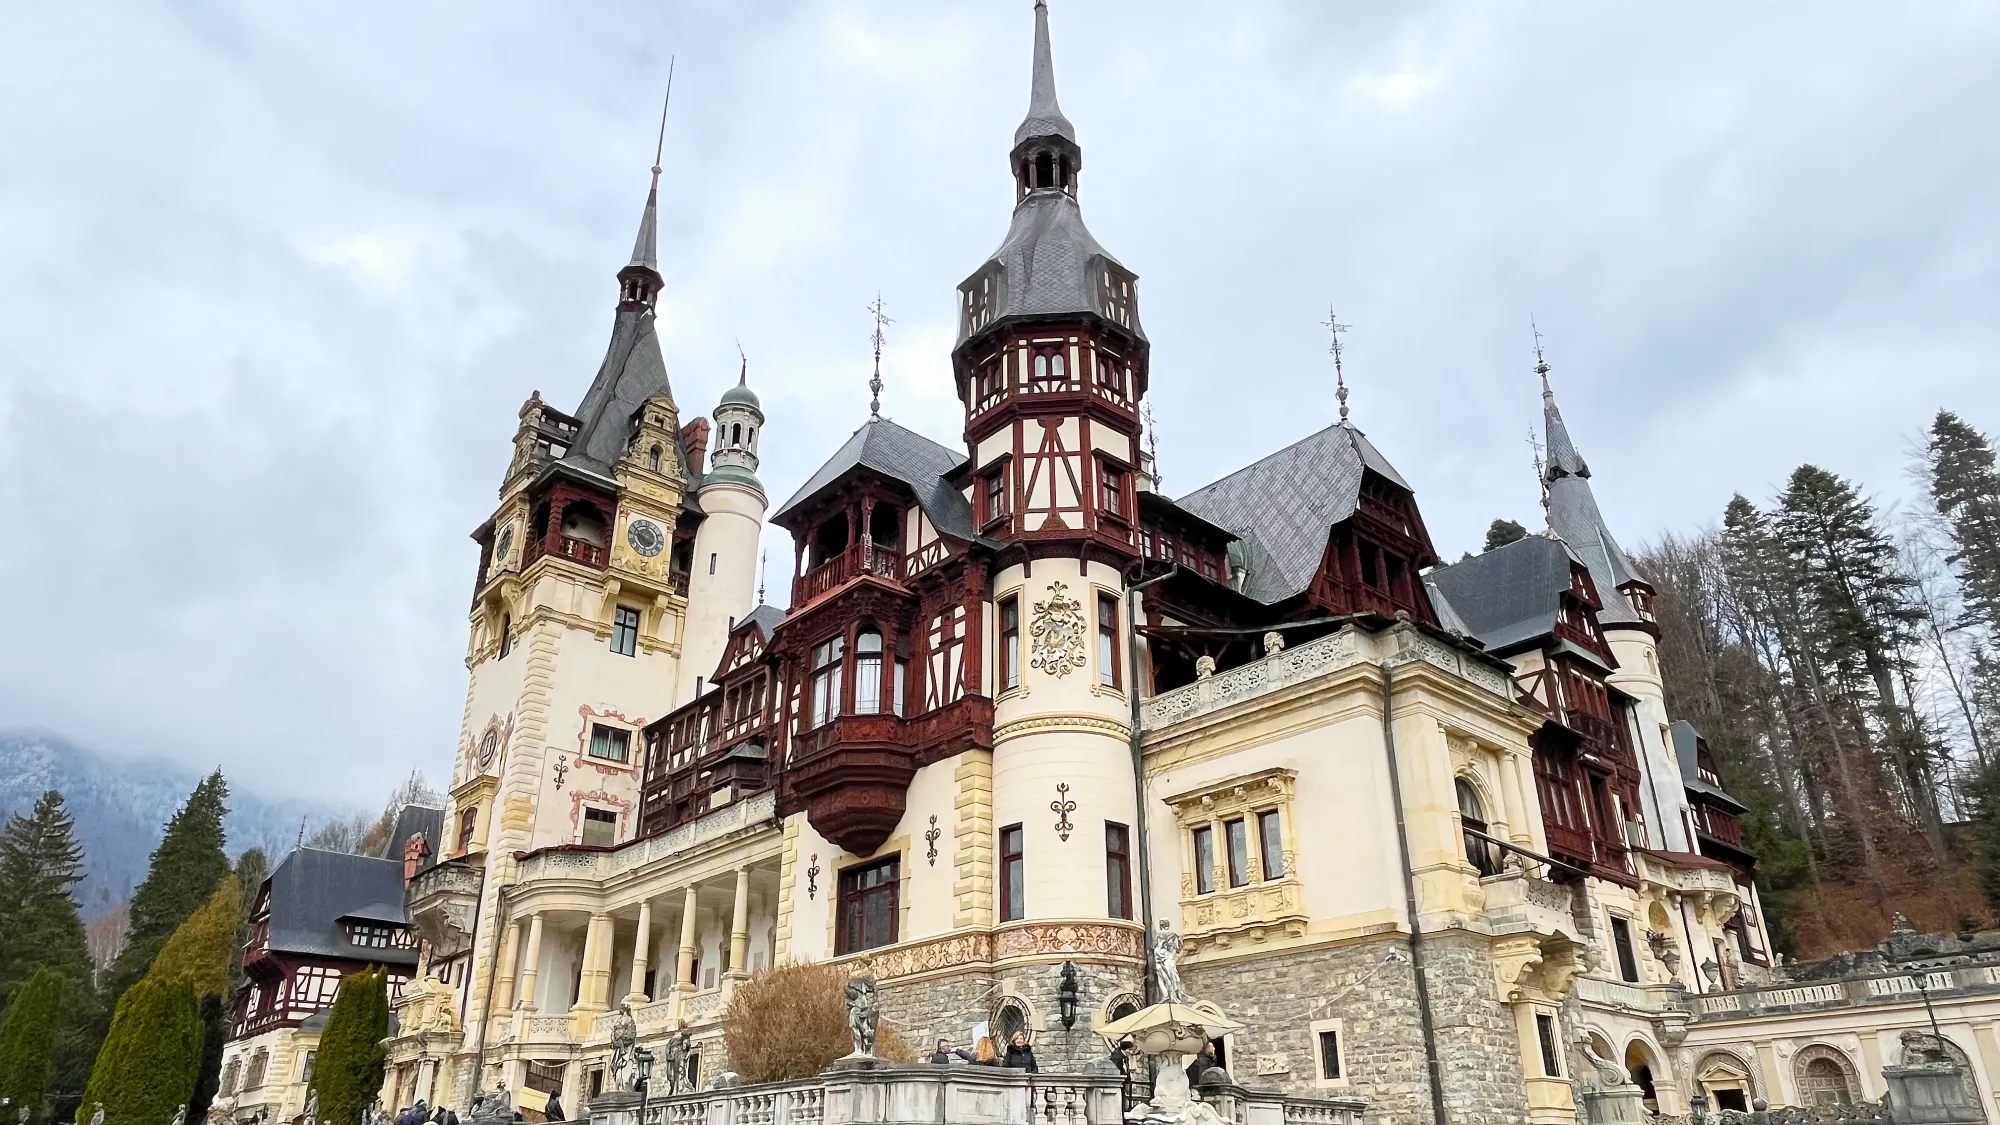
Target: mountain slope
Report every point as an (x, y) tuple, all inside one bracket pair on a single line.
[(122, 807)]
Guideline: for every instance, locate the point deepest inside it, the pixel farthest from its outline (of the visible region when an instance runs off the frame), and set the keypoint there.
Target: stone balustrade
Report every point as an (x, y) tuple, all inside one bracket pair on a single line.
[(1861, 989), (959, 1094), (595, 863)]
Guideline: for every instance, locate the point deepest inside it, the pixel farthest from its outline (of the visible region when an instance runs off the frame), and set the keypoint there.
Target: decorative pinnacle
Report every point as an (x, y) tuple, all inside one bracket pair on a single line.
[(660, 146), (1152, 443), (1541, 478), (763, 565), (743, 373), (1334, 328), (875, 383), (1541, 361)]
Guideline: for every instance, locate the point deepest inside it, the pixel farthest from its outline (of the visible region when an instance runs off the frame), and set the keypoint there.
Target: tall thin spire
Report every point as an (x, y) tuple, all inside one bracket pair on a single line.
[(875, 383), (1045, 118), (1541, 361), (646, 247), (1334, 328), (743, 372), (1563, 459)]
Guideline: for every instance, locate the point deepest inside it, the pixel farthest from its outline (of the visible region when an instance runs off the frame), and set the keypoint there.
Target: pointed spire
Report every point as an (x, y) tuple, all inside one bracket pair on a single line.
[(639, 282), (1045, 118), (875, 383), (1334, 328), (1563, 459)]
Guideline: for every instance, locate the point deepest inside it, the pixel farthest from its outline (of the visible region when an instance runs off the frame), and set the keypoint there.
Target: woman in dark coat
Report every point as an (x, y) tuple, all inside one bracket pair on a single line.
[(1020, 1055)]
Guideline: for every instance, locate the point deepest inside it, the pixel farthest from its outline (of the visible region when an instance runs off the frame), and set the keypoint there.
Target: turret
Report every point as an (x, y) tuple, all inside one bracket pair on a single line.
[(723, 578)]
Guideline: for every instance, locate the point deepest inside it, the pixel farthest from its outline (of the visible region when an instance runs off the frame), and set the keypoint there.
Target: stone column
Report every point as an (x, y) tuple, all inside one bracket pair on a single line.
[(641, 945), (1518, 817), (739, 927), (532, 969), (684, 968), (595, 991), (503, 979)]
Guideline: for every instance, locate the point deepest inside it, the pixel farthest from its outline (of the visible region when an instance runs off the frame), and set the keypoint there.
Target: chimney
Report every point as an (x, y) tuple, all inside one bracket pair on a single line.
[(694, 442), (414, 851)]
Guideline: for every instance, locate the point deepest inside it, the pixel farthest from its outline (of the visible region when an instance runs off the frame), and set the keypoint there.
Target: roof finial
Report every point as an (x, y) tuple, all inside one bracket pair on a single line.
[(875, 383), (743, 374), (1334, 328), (1045, 118), (660, 146), (1541, 361), (1153, 445), (763, 565), (646, 247), (1541, 479)]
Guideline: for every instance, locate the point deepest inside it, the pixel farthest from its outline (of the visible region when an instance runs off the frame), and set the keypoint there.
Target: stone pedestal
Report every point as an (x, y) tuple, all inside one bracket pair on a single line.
[(617, 1107), (1623, 1104), (1930, 1094)]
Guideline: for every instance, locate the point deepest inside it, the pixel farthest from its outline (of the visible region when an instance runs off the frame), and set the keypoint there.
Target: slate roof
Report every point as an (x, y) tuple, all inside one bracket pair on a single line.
[(633, 371), (416, 820), (1045, 118), (1687, 751), (1573, 515), (1282, 506), (764, 617), (1507, 596), (312, 890), (884, 447)]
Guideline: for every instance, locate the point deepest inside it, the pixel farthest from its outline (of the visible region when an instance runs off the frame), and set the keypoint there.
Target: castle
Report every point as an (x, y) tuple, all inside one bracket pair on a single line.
[(1427, 831)]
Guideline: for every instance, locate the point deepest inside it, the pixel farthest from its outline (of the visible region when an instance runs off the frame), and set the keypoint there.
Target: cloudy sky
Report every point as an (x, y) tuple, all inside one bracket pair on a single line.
[(273, 282)]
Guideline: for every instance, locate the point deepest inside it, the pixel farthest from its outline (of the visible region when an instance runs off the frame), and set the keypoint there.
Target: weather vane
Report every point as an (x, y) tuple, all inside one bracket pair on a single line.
[(875, 383), (1541, 478), (1152, 443), (1334, 328), (763, 565), (1541, 361)]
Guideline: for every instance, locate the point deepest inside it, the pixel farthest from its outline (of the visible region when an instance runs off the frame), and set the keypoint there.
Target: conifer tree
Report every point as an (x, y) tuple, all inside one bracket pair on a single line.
[(147, 1066), (183, 872), (28, 1037), (201, 950), (1499, 533), (40, 861), (347, 1072), (208, 1076), (1965, 486), (252, 868)]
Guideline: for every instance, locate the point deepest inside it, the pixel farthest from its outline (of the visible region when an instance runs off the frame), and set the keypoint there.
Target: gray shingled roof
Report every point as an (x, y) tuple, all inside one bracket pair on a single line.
[(1283, 506), (1688, 754), (312, 890), (1509, 595), (1046, 262), (884, 447), (1573, 515), (764, 617), (416, 820)]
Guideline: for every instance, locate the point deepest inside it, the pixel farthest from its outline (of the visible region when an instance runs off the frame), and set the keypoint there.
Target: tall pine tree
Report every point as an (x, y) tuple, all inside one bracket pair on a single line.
[(1965, 486), (184, 871), (40, 861), (147, 1066)]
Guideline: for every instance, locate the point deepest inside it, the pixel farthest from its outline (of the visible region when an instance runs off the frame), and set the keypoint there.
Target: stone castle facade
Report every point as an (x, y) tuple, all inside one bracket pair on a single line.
[(1428, 832)]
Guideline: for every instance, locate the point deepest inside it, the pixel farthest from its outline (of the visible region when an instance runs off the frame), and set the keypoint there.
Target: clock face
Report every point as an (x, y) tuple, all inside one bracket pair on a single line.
[(646, 537), (489, 748), (503, 544)]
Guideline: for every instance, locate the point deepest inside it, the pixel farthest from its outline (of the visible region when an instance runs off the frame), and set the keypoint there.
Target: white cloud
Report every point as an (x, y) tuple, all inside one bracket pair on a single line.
[(381, 259), (1398, 89)]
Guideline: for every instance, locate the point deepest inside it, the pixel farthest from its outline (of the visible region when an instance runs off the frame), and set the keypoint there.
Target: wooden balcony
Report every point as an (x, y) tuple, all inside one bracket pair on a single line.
[(857, 560), (562, 546), (852, 773)]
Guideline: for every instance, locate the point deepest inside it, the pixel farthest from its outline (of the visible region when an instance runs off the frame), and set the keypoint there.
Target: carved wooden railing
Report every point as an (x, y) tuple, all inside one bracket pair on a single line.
[(858, 559), (562, 546)]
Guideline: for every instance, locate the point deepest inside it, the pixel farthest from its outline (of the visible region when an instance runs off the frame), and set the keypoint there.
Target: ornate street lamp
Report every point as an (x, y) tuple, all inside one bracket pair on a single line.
[(642, 1062), (1066, 995)]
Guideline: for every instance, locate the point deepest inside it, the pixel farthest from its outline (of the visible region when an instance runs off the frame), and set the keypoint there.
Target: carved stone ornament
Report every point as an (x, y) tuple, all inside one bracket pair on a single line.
[(1204, 666), (1056, 633), (1062, 806)]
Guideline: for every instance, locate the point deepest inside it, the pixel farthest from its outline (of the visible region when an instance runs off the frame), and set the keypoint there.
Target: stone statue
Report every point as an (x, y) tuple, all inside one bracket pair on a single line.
[(21, 1115), (864, 1012), (1204, 666), (97, 1115), (675, 1063), (1921, 1047), (312, 1109), (181, 1115), (500, 1104), (1608, 1073), (624, 1042), (1166, 965)]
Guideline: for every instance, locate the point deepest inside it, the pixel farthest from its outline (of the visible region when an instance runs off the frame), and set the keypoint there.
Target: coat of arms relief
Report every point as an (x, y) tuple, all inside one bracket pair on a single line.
[(1056, 633)]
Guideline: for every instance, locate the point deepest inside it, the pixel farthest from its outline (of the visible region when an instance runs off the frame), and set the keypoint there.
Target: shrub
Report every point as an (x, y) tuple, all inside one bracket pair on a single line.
[(347, 1072), (146, 1067), (791, 1022), (28, 1040)]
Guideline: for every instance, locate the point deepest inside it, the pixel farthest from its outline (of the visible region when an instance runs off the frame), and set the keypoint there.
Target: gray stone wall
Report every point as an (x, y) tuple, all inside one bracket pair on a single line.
[(947, 1006), (1277, 998)]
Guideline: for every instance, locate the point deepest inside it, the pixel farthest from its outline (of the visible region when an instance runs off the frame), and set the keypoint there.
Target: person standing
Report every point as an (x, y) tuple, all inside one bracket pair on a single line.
[(1020, 1054)]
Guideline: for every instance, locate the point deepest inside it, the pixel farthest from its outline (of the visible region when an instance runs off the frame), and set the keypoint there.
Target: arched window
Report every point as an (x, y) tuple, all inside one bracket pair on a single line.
[(1045, 173), (1481, 854), (1825, 1077), (736, 434), (653, 458), (868, 673)]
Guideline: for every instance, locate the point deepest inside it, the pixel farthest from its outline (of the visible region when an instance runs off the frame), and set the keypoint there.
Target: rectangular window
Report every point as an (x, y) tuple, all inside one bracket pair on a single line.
[(1545, 1034), (711, 562), (1329, 1055), (826, 680), (506, 634), (1621, 941), (868, 673), (1107, 640), (1204, 860), (467, 821), (306, 1068), (1010, 643), (625, 631), (600, 827), (1117, 870), (1238, 835), (1272, 837), (1013, 875), (993, 496), (897, 686), (610, 743), (1111, 488), (868, 902)]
